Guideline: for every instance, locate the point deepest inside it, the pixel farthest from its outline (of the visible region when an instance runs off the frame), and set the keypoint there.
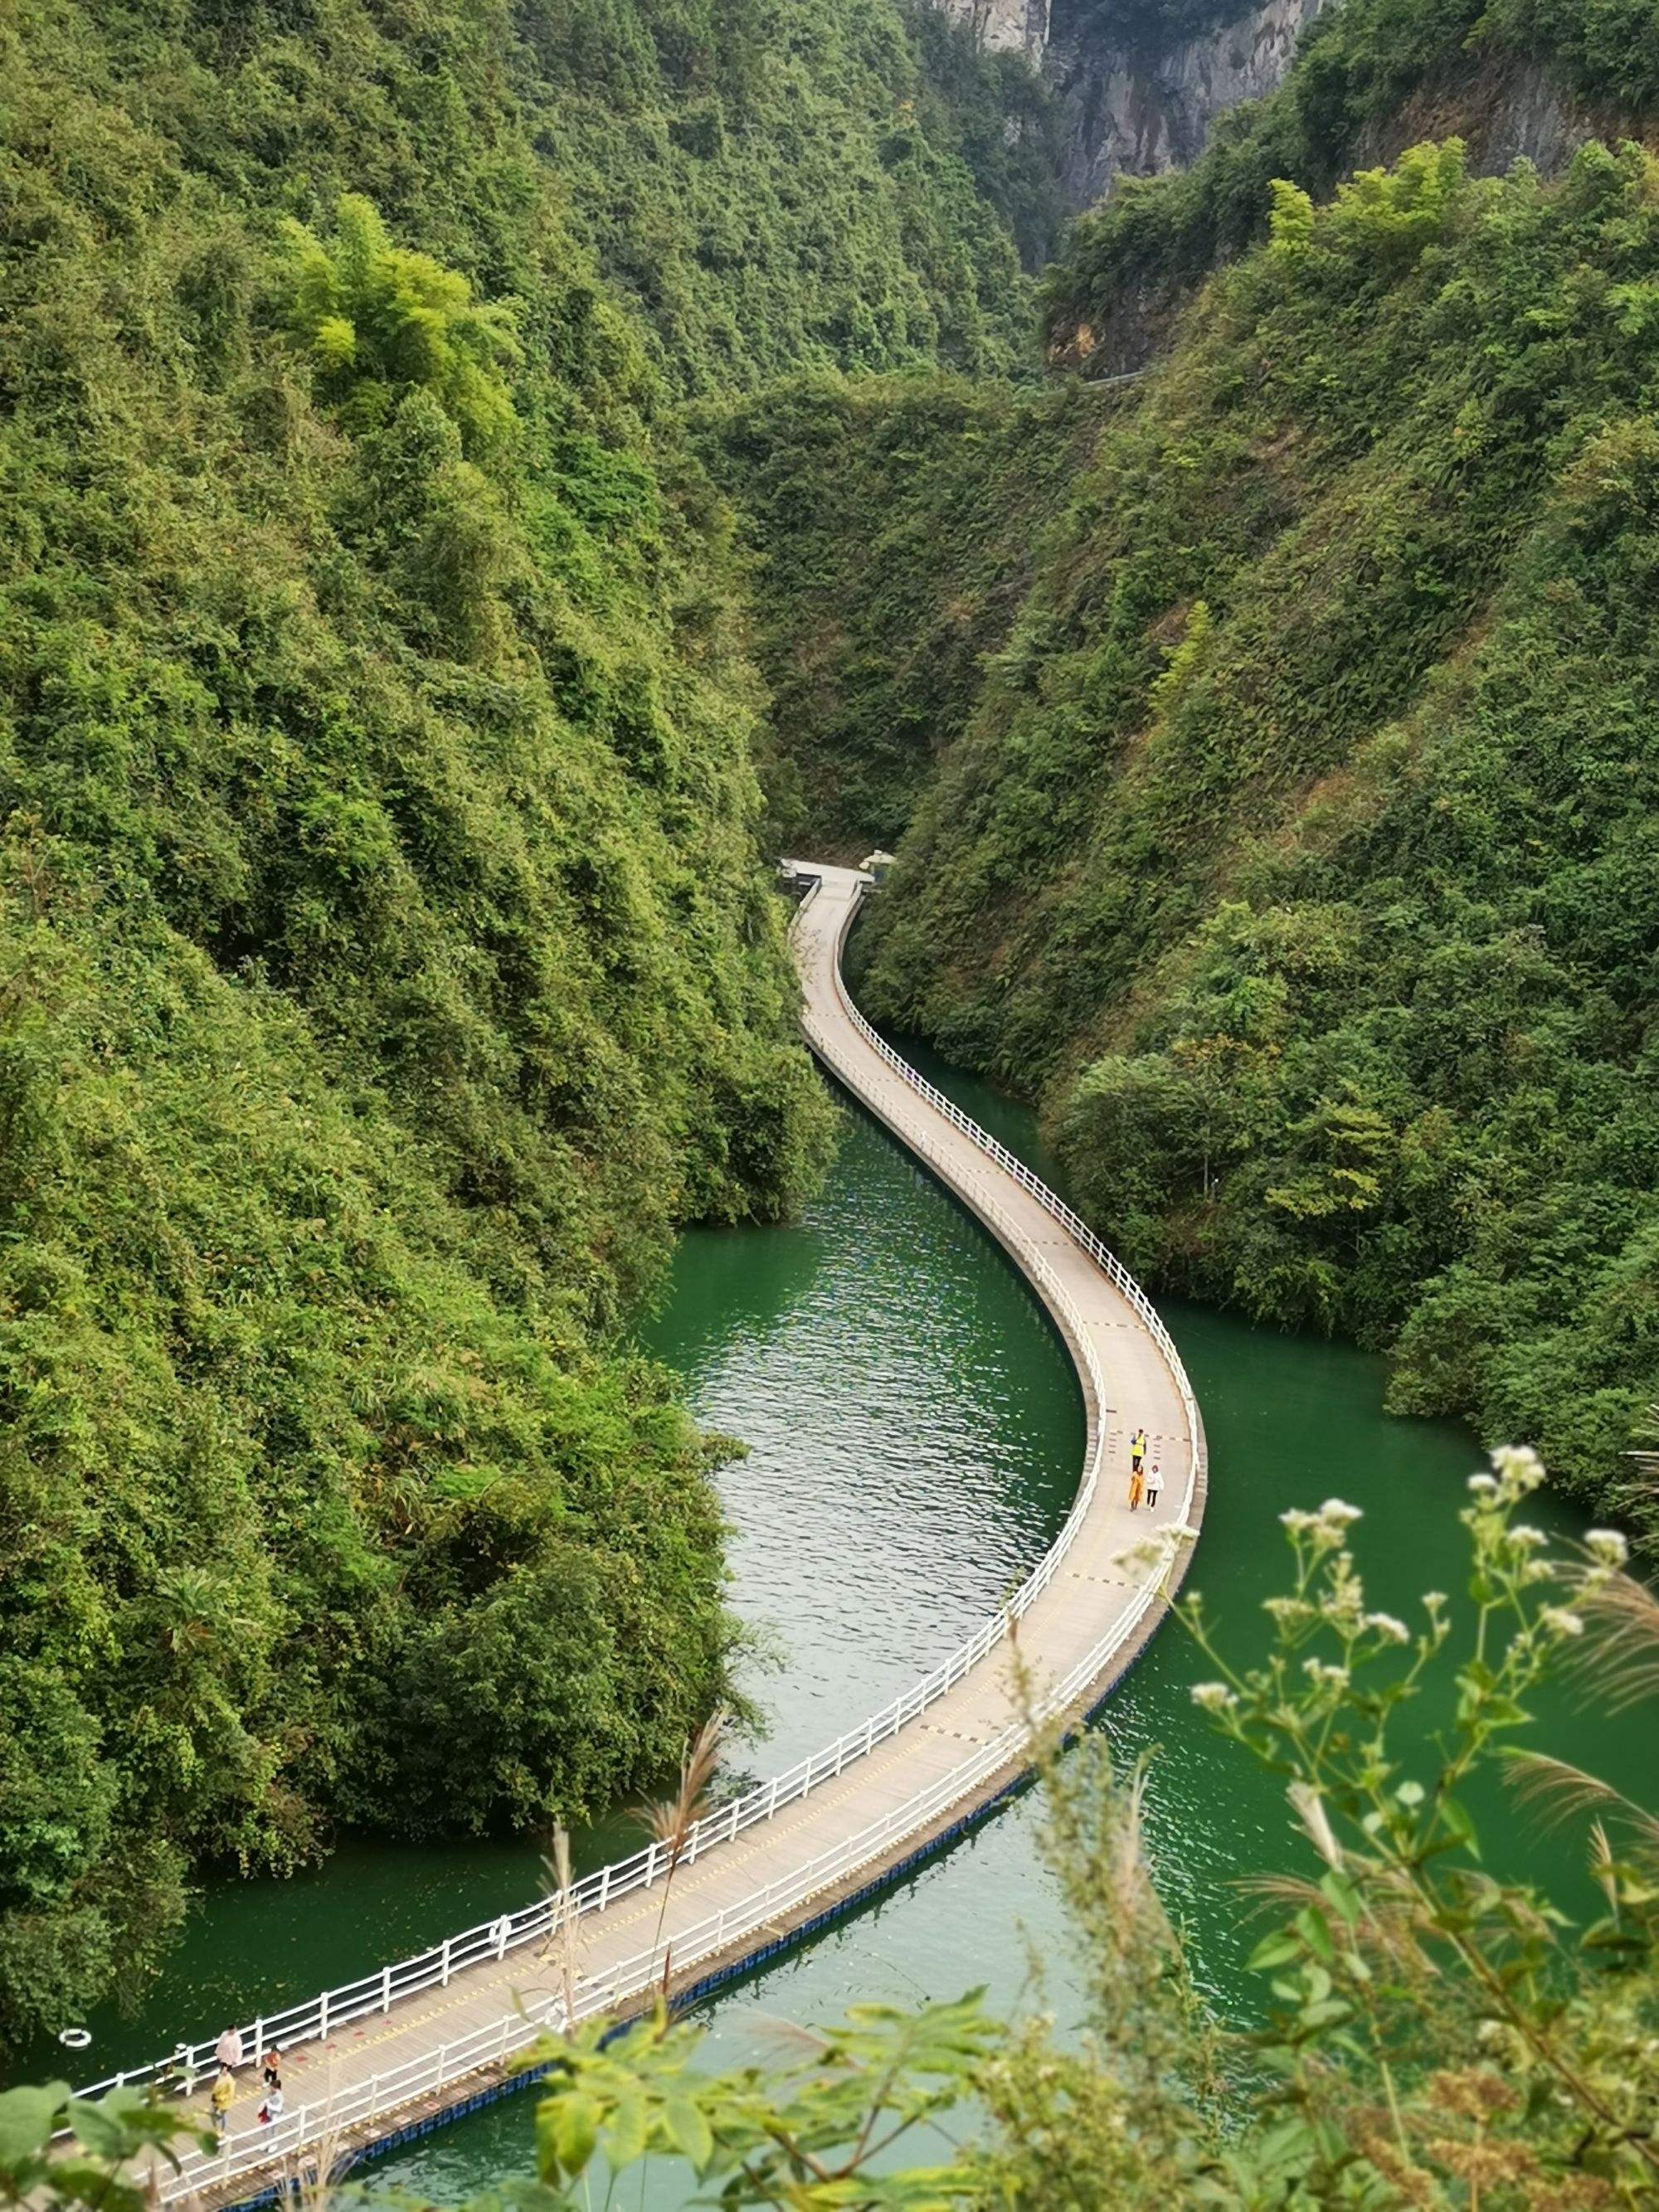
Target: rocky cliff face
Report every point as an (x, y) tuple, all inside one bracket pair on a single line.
[(1131, 108), (1138, 112), (1005, 26), (1505, 110)]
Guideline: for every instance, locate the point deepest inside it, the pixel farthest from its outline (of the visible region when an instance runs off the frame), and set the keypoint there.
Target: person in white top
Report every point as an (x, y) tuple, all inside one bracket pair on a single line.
[(228, 2049)]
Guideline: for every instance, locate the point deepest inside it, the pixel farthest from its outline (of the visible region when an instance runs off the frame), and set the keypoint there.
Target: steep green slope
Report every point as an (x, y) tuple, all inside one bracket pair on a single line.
[(1304, 846), (895, 524), (388, 959), (1453, 66), (835, 184)]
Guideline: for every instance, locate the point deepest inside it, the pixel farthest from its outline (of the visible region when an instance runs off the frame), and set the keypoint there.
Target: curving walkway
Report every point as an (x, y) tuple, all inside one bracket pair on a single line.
[(370, 2064)]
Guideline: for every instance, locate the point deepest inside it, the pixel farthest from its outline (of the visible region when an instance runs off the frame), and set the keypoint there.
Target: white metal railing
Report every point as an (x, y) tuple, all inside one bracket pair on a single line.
[(328, 2119), (1079, 1230), (377, 1993)]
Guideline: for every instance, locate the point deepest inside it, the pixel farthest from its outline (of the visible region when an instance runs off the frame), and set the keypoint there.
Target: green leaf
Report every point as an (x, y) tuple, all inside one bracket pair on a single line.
[(88, 2181), (1459, 1826), (99, 2129), (1314, 1931), (574, 2129), (28, 2117), (624, 2138), (689, 2130), (1278, 1949), (1341, 1893)]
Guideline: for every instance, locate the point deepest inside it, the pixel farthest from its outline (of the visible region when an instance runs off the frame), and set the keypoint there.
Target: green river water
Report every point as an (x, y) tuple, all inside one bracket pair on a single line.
[(915, 1434)]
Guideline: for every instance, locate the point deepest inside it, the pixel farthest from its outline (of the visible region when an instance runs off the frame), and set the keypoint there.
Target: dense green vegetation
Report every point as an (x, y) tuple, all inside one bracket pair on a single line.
[(843, 184), (896, 524), (1302, 849), (388, 961), (1138, 256)]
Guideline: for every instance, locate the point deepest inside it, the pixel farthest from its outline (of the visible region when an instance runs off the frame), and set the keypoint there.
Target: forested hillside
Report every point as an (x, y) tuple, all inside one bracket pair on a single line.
[(452, 454), (389, 964), (1302, 848), (1515, 78), (845, 185), (896, 524)]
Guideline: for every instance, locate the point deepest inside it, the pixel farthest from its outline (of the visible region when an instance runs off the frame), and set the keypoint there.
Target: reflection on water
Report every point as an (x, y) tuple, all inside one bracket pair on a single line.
[(1291, 1420), (915, 1434)]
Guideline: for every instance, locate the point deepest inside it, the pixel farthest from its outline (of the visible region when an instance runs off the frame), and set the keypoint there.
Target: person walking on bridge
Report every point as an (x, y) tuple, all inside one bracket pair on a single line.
[(1137, 1467), (228, 2049), (219, 2103)]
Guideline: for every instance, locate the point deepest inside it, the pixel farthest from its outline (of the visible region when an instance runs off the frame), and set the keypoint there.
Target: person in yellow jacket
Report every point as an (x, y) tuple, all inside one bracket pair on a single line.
[(219, 2100), (1137, 1467)]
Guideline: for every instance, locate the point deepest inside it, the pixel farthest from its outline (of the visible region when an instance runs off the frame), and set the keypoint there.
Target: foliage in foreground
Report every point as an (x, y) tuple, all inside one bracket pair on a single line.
[(1300, 851), (1434, 2034), (1430, 2032), (90, 2166)]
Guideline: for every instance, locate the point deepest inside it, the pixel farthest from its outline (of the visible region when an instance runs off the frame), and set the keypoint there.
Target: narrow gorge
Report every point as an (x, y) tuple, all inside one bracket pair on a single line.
[(1172, 485)]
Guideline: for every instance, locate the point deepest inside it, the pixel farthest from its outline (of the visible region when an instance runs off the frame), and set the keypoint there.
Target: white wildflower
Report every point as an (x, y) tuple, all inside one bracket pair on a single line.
[(1410, 1794), (1288, 1612), (1607, 1547), (1528, 1538), (1560, 1622), (1296, 1520), (1484, 1486), (1334, 1509), (1320, 1671), (1213, 1697), (1345, 1608), (1433, 1599), (1518, 1468), (1390, 1630)]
